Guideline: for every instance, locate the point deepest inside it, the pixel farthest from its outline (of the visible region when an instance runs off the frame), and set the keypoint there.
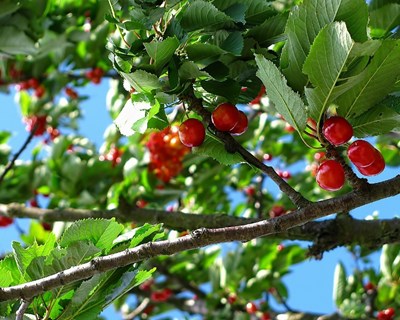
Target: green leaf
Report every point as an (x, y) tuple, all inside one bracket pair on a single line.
[(339, 284), (203, 15), (386, 260), (237, 12), (384, 19), (143, 232), (15, 41), (302, 27), (374, 83), (378, 120), (142, 81), (133, 117), (270, 31), (162, 51), (233, 43), (229, 89), (324, 64), (355, 14), (286, 101), (100, 232), (204, 53), (216, 150), (9, 270), (189, 70), (24, 256), (9, 6), (258, 11)]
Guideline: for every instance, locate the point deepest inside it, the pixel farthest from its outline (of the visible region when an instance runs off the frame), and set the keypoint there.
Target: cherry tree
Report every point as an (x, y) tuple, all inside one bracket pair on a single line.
[(210, 101)]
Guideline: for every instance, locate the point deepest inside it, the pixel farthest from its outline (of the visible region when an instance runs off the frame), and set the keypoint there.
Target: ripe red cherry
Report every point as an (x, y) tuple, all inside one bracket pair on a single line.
[(361, 153), (251, 308), (40, 91), (276, 211), (376, 167), (225, 116), (387, 314), (330, 175), (337, 130), (36, 121), (241, 126), (192, 132), (5, 221), (232, 297), (265, 316)]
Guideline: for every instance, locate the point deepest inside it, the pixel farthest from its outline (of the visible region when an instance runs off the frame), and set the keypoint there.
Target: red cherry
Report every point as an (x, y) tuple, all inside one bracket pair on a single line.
[(5, 221), (225, 116), (47, 226), (33, 83), (330, 175), (337, 130), (192, 132), (141, 203), (40, 91), (361, 153), (265, 316), (232, 297), (267, 157), (389, 312), (276, 211), (369, 286), (241, 126), (146, 286), (71, 93), (36, 121), (250, 191), (289, 128), (319, 156), (280, 247), (161, 295), (312, 124), (376, 167), (24, 85), (251, 308), (260, 94)]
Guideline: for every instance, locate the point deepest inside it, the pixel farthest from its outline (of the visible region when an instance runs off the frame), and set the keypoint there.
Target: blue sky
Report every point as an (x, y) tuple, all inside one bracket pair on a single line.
[(310, 283)]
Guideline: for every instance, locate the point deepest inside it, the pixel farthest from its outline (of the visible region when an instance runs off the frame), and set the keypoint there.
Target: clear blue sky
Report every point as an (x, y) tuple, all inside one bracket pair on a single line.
[(310, 283)]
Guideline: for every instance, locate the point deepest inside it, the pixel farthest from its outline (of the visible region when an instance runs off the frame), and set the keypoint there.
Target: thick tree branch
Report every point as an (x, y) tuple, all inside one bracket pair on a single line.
[(196, 104), (203, 237)]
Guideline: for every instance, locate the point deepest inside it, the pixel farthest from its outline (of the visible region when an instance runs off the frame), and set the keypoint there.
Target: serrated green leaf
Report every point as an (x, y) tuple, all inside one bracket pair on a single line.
[(355, 14), (258, 11), (201, 14), (204, 53), (339, 284), (162, 51), (143, 232), (142, 81), (237, 12), (216, 150), (189, 70), (384, 19), (270, 31), (229, 89), (24, 256), (18, 43), (286, 101), (302, 27), (378, 120), (100, 232), (374, 83), (133, 117), (128, 281), (9, 268), (233, 43), (324, 64)]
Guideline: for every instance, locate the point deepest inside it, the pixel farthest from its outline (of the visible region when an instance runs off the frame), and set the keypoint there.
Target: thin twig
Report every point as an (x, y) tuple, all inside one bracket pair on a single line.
[(22, 308), (11, 163), (138, 310)]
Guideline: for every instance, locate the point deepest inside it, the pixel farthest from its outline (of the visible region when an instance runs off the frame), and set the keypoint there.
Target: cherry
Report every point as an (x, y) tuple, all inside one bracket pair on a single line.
[(284, 174), (225, 116), (319, 156), (260, 94), (5, 221), (95, 75), (250, 191), (312, 124), (141, 203), (232, 297), (361, 153), (47, 226), (251, 308), (369, 286), (387, 314), (376, 167), (40, 91), (267, 157), (289, 128), (33, 83), (277, 211), (337, 130), (53, 132), (280, 247), (192, 132), (241, 126), (146, 286), (330, 175), (161, 295), (265, 316), (71, 93), (36, 121)]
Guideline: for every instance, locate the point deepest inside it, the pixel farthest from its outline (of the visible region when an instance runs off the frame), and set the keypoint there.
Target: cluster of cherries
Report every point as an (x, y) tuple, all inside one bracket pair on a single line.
[(387, 314), (367, 159), (33, 83), (113, 155), (95, 75), (166, 153), (226, 117)]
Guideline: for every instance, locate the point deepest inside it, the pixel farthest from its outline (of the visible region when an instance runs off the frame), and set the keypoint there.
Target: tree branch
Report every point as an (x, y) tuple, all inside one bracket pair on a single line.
[(11, 163), (203, 237)]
